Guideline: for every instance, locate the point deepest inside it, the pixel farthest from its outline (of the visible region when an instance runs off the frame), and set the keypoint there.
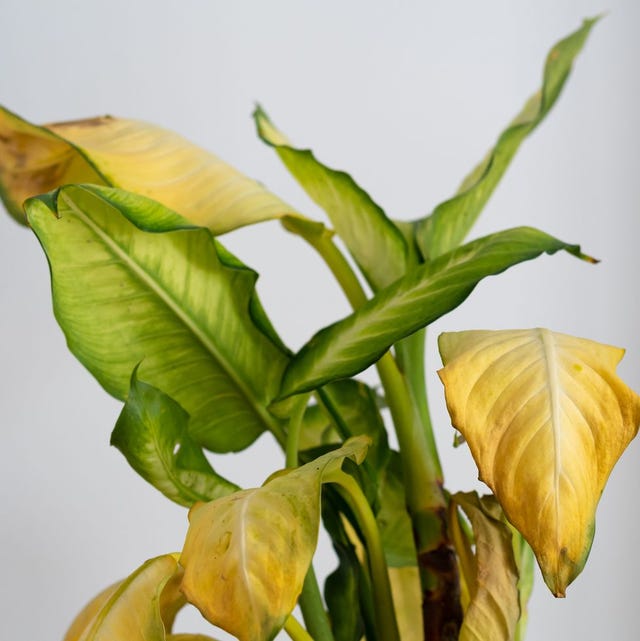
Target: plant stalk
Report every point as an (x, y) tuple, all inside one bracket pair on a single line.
[(406, 396)]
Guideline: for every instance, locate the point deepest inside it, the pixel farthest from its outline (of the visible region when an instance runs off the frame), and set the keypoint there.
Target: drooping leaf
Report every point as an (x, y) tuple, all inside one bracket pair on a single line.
[(546, 418), (152, 433), (132, 155), (133, 283), (376, 244), (450, 221), (246, 555), (493, 610), (132, 609), (422, 296)]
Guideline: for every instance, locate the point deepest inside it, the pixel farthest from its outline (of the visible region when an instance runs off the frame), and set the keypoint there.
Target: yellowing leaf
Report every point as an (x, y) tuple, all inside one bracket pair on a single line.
[(135, 156), (493, 610), (546, 418), (407, 601), (246, 555), (136, 609)]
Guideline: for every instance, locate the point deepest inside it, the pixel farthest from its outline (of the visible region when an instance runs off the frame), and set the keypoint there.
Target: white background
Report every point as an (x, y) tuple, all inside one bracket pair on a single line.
[(407, 96)]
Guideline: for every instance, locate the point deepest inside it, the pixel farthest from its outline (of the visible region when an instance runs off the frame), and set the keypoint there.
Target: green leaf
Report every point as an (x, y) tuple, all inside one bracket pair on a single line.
[(133, 608), (419, 298), (450, 221), (341, 592), (171, 298), (246, 555), (152, 433), (376, 244), (132, 155), (494, 609), (546, 418), (392, 518)]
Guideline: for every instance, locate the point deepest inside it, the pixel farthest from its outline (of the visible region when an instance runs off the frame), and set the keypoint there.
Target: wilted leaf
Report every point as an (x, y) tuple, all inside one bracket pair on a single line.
[(131, 610), (546, 418), (376, 244), (134, 283), (450, 222), (493, 610), (246, 555), (422, 296), (132, 155), (152, 433)]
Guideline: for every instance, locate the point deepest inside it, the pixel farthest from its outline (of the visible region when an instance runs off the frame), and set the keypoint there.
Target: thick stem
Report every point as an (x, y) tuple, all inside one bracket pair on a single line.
[(383, 599), (426, 504)]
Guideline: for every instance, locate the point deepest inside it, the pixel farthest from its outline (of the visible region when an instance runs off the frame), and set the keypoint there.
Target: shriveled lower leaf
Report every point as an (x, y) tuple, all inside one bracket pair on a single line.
[(246, 555), (133, 283), (546, 418), (132, 155), (133, 609), (152, 433), (419, 298), (376, 244), (493, 609), (450, 221)]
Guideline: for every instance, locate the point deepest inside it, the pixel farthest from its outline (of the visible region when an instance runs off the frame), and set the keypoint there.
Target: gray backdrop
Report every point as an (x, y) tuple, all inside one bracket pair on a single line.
[(407, 96)]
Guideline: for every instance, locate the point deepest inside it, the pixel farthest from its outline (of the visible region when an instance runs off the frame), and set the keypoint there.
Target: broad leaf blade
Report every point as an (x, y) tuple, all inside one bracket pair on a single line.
[(246, 555), (152, 433), (493, 611), (132, 155), (450, 222), (546, 418), (130, 610), (376, 244), (422, 296), (174, 300)]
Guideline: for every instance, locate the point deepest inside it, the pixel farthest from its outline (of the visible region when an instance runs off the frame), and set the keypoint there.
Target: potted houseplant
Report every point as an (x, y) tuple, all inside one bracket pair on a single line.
[(168, 320)]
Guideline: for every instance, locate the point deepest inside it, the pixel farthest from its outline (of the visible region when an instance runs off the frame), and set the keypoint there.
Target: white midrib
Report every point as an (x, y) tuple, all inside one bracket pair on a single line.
[(551, 359), (166, 298)]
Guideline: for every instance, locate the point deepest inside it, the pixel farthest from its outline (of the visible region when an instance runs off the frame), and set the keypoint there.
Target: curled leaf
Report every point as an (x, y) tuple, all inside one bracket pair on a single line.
[(246, 555), (546, 418), (493, 610), (132, 155), (135, 609)]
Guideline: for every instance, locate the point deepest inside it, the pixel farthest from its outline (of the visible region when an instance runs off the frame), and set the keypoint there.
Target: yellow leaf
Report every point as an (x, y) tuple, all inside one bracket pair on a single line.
[(493, 610), (135, 609), (246, 555), (546, 418), (407, 601), (135, 156)]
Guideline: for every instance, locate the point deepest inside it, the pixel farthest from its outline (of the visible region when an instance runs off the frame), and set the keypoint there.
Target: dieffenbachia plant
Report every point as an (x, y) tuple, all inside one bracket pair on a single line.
[(169, 321)]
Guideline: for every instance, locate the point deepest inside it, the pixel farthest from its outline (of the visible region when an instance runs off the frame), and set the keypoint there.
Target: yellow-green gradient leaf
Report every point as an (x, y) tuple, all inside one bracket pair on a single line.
[(246, 555), (135, 609), (493, 609), (132, 155), (546, 418)]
